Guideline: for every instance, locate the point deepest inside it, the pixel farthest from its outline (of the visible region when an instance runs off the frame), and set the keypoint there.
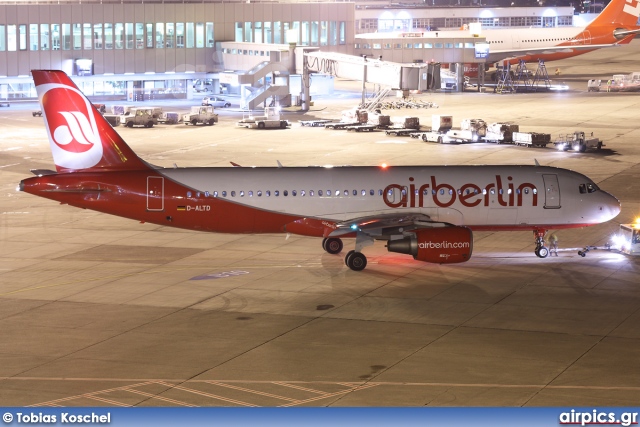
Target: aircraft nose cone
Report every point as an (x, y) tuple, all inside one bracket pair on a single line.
[(611, 207)]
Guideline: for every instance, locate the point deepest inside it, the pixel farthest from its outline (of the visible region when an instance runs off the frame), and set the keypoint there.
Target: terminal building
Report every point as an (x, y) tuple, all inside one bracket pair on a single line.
[(153, 50)]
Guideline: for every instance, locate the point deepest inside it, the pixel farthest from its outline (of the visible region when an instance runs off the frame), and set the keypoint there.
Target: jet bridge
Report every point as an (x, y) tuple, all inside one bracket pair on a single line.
[(420, 76)]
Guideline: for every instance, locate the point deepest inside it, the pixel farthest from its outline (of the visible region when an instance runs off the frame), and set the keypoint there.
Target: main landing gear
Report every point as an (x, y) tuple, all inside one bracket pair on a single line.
[(355, 259), (541, 250)]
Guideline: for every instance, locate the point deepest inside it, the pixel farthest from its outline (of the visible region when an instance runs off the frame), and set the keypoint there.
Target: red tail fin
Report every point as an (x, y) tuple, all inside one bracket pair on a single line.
[(619, 14), (80, 138)]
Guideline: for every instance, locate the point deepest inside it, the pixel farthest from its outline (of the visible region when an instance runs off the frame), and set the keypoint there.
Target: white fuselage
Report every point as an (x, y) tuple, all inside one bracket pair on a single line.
[(475, 196)]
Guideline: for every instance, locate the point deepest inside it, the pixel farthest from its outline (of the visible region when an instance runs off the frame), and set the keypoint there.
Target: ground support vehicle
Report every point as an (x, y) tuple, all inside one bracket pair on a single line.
[(478, 126), (169, 118), (200, 114), (435, 136), (400, 131), (531, 139), (462, 135), (270, 119), (5, 104), (340, 125), (361, 128), (139, 117), (501, 133), (113, 119), (214, 101), (626, 241), (37, 113), (577, 141), (314, 123), (417, 135), (594, 85)]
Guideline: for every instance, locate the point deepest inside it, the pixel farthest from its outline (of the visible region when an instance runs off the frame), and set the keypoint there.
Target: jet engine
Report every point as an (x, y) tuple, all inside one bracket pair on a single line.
[(446, 245)]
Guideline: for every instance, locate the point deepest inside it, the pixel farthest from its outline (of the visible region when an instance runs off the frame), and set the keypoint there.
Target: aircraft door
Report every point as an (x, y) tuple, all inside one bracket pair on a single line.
[(155, 193), (551, 191)]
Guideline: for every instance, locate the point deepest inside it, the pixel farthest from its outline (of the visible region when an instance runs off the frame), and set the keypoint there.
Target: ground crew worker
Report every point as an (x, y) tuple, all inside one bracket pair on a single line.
[(553, 244), (557, 71), (608, 85)]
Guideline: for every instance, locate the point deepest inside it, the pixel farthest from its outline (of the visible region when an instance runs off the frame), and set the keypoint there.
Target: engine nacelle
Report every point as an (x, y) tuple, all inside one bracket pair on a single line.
[(446, 245)]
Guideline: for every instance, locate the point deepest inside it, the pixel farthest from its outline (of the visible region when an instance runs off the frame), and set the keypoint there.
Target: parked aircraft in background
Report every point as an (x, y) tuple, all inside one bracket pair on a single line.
[(428, 212), (616, 25)]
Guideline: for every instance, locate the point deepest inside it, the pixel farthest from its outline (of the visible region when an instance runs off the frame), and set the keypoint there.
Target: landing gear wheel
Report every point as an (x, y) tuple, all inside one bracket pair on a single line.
[(356, 261), (346, 258), (542, 252), (261, 125), (332, 245)]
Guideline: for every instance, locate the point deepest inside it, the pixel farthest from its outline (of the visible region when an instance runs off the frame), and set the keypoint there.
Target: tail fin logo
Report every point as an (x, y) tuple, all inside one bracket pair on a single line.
[(631, 10), (73, 133), (76, 135)]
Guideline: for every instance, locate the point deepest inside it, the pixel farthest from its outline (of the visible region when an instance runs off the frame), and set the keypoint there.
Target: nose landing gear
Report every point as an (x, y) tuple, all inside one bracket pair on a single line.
[(541, 250)]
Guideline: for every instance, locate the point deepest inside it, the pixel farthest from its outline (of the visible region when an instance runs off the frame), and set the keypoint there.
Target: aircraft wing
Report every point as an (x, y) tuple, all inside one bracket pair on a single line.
[(385, 225)]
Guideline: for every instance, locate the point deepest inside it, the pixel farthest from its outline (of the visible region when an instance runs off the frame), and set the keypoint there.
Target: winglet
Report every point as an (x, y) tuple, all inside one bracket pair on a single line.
[(536, 160), (279, 164)]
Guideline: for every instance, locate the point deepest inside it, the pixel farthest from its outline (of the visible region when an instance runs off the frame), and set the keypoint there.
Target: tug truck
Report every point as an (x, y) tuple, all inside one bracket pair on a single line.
[(200, 114), (577, 141), (270, 119), (440, 125), (139, 117)]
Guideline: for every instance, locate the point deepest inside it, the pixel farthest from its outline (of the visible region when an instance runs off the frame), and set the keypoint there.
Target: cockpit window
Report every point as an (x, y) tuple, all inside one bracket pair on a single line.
[(588, 188)]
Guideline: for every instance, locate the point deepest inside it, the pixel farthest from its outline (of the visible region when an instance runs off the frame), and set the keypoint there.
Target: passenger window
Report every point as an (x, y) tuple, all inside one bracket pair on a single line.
[(215, 194), (319, 193), (242, 194), (372, 192), (250, 193), (493, 191), (337, 192), (526, 191), (311, 193), (285, 193), (442, 191), (346, 192), (364, 192), (224, 194), (268, 193), (188, 193), (535, 191), (293, 193), (355, 192), (206, 194), (259, 193), (301, 193), (233, 194), (276, 193), (198, 194)]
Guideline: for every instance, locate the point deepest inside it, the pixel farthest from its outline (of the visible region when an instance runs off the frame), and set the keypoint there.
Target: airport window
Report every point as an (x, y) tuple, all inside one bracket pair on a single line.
[(356, 45), (377, 46), (77, 36), (3, 39), (324, 33), (149, 35), (469, 46), (210, 36), (97, 36), (428, 45), (87, 36), (369, 24), (118, 29), (129, 36), (66, 36), (160, 35), (180, 35), (33, 36), (304, 33), (55, 37), (239, 32), (190, 35), (438, 45), (22, 37), (169, 37), (108, 36), (565, 21), (386, 46), (458, 45), (408, 45), (366, 46), (417, 45), (448, 45), (199, 35), (343, 34), (397, 46), (248, 32), (315, 29), (139, 35), (333, 33), (268, 35), (277, 37)]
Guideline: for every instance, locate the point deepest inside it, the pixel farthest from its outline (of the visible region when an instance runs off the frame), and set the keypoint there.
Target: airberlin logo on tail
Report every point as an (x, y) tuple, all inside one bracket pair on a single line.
[(75, 136), (71, 124), (631, 9)]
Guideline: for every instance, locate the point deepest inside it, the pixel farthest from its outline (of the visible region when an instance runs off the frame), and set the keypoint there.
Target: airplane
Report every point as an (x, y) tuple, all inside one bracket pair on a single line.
[(616, 25), (429, 212)]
